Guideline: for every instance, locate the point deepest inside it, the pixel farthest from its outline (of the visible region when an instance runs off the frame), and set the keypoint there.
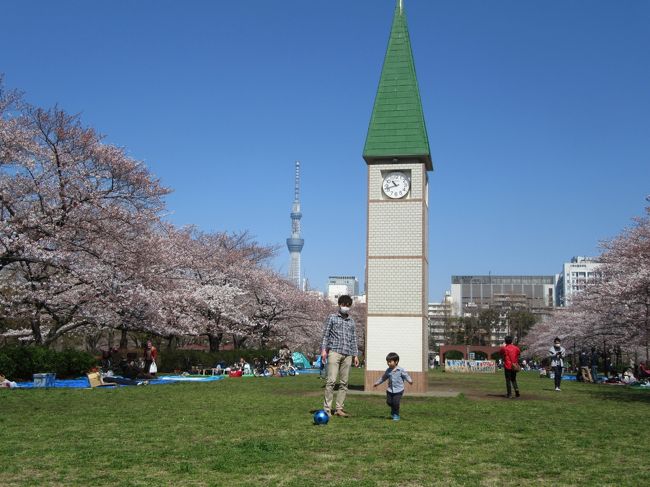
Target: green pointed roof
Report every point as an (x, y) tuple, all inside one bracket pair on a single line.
[(397, 127)]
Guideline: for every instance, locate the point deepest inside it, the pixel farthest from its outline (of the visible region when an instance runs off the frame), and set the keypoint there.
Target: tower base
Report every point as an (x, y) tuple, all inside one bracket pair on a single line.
[(420, 380)]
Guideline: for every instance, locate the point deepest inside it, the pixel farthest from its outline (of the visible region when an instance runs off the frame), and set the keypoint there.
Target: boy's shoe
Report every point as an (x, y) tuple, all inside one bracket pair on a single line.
[(343, 414), (328, 412), (517, 394), (395, 417), (557, 389)]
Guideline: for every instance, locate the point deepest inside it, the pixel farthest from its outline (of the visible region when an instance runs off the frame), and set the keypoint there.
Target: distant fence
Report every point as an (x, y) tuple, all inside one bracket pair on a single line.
[(471, 366)]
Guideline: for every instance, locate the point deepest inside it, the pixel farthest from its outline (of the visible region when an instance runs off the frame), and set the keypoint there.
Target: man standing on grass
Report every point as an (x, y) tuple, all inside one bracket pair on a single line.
[(557, 354), (339, 348), (510, 354)]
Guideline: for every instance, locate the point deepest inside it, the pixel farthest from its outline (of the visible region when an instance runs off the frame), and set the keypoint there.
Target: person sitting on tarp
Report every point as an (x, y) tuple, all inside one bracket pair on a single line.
[(6, 383), (628, 377), (131, 374), (285, 355), (221, 367), (244, 366), (130, 369), (644, 373), (259, 365)]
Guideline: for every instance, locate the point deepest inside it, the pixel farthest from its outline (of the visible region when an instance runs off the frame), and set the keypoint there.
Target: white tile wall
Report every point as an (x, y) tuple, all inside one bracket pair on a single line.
[(395, 334), (395, 228), (395, 286)]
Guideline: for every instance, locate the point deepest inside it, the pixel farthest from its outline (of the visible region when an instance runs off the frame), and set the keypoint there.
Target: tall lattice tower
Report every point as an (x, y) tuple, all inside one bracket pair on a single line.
[(295, 243)]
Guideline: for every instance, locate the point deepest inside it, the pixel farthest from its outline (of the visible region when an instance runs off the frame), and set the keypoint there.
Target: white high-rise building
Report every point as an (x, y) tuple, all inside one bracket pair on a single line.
[(439, 315), (573, 278)]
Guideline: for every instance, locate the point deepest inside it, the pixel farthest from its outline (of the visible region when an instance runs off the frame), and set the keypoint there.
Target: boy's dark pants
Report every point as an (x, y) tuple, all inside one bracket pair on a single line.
[(393, 399)]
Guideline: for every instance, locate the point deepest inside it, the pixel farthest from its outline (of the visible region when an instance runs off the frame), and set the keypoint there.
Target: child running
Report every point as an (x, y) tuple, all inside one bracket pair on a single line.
[(395, 376)]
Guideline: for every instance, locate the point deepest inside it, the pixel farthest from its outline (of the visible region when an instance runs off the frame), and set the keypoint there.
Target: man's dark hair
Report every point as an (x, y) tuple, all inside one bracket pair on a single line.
[(345, 300), (557, 339), (508, 340), (392, 356)]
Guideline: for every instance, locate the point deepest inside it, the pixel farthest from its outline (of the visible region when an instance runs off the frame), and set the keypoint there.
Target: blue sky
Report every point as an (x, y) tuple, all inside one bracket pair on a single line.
[(537, 113)]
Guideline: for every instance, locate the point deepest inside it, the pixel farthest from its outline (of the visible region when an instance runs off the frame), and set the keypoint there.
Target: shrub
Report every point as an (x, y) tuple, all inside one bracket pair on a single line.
[(23, 362)]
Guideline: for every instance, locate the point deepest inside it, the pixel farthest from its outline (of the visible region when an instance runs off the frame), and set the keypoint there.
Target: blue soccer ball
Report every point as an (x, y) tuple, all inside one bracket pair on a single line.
[(321, 417)]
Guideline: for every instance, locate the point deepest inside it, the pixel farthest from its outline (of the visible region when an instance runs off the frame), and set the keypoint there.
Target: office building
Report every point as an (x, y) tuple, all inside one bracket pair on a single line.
[(574, 277), (340, 285), (471, 294)]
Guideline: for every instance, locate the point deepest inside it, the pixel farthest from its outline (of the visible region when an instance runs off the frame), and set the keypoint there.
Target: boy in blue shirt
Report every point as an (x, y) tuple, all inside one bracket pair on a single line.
[(395, 376)]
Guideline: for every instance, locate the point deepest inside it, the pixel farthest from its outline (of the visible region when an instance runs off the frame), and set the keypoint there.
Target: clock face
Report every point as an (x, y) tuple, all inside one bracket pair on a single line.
[(396, 185)]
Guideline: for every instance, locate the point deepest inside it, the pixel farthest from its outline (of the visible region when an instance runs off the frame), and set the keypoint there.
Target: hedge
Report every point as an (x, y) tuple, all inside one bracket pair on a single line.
[(21, 363)]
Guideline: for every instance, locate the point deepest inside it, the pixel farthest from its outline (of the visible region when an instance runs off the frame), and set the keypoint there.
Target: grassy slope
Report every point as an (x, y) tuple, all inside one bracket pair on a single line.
[(257, 431)]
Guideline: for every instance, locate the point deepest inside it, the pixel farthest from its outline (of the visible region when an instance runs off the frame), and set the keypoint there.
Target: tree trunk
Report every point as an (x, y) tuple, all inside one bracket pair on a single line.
[(36, 331), (238, 341), (124, 339), (215, 341), (171, 342)]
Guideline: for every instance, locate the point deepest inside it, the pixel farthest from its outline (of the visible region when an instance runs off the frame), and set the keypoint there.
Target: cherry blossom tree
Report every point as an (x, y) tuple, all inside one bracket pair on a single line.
[(84, 249), (69, 205), (615, 308)]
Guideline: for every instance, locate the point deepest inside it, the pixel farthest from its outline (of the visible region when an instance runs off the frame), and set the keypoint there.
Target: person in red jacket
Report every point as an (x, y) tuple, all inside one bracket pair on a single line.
[(510, 354)]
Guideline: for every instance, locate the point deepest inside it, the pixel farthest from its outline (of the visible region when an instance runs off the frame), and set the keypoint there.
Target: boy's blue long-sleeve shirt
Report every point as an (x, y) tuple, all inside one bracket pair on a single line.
[(395, 378)]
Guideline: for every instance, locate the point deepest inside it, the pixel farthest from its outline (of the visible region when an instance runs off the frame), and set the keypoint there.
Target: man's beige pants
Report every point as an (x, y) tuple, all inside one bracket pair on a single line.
[(337, 364)]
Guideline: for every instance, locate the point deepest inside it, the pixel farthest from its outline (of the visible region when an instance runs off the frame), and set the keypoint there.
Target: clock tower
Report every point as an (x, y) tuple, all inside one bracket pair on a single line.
[(397, 265)]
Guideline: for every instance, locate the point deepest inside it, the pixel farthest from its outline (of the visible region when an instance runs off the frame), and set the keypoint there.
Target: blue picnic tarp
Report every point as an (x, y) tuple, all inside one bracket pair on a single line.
[(82, 382)]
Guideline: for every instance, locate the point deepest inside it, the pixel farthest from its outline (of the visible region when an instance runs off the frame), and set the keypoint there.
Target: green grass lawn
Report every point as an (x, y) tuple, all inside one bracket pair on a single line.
[(259, 431)]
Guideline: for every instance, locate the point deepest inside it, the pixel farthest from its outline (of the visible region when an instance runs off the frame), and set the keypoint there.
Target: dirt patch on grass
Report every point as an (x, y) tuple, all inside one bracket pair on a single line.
[(476, 390)]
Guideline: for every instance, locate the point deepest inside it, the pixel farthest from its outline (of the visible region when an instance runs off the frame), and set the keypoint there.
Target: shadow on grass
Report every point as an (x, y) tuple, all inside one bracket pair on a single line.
[(621, 395), (502, 396)]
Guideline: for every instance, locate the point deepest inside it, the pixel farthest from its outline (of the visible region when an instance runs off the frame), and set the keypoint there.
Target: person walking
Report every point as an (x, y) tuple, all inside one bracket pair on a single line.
[(339, 350), (510, 354), (557, 354), (585, 370), (594, 364), (395, 376)]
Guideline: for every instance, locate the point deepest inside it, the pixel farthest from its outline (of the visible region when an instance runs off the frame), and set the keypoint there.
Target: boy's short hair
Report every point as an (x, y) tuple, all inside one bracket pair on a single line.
[(392, 356), (508, 340), (345, 300)]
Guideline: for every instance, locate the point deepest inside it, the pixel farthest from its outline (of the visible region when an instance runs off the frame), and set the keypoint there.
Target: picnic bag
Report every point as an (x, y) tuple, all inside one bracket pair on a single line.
[(153, 368)]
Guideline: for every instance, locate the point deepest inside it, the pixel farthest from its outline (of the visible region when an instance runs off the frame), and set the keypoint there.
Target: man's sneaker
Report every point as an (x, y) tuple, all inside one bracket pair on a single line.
[(517, 394), (557, 389), (395, 417), (343, 414)]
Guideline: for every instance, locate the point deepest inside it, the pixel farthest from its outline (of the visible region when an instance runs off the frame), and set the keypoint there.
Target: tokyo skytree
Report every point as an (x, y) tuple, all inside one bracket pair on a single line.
[(295, 243)]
